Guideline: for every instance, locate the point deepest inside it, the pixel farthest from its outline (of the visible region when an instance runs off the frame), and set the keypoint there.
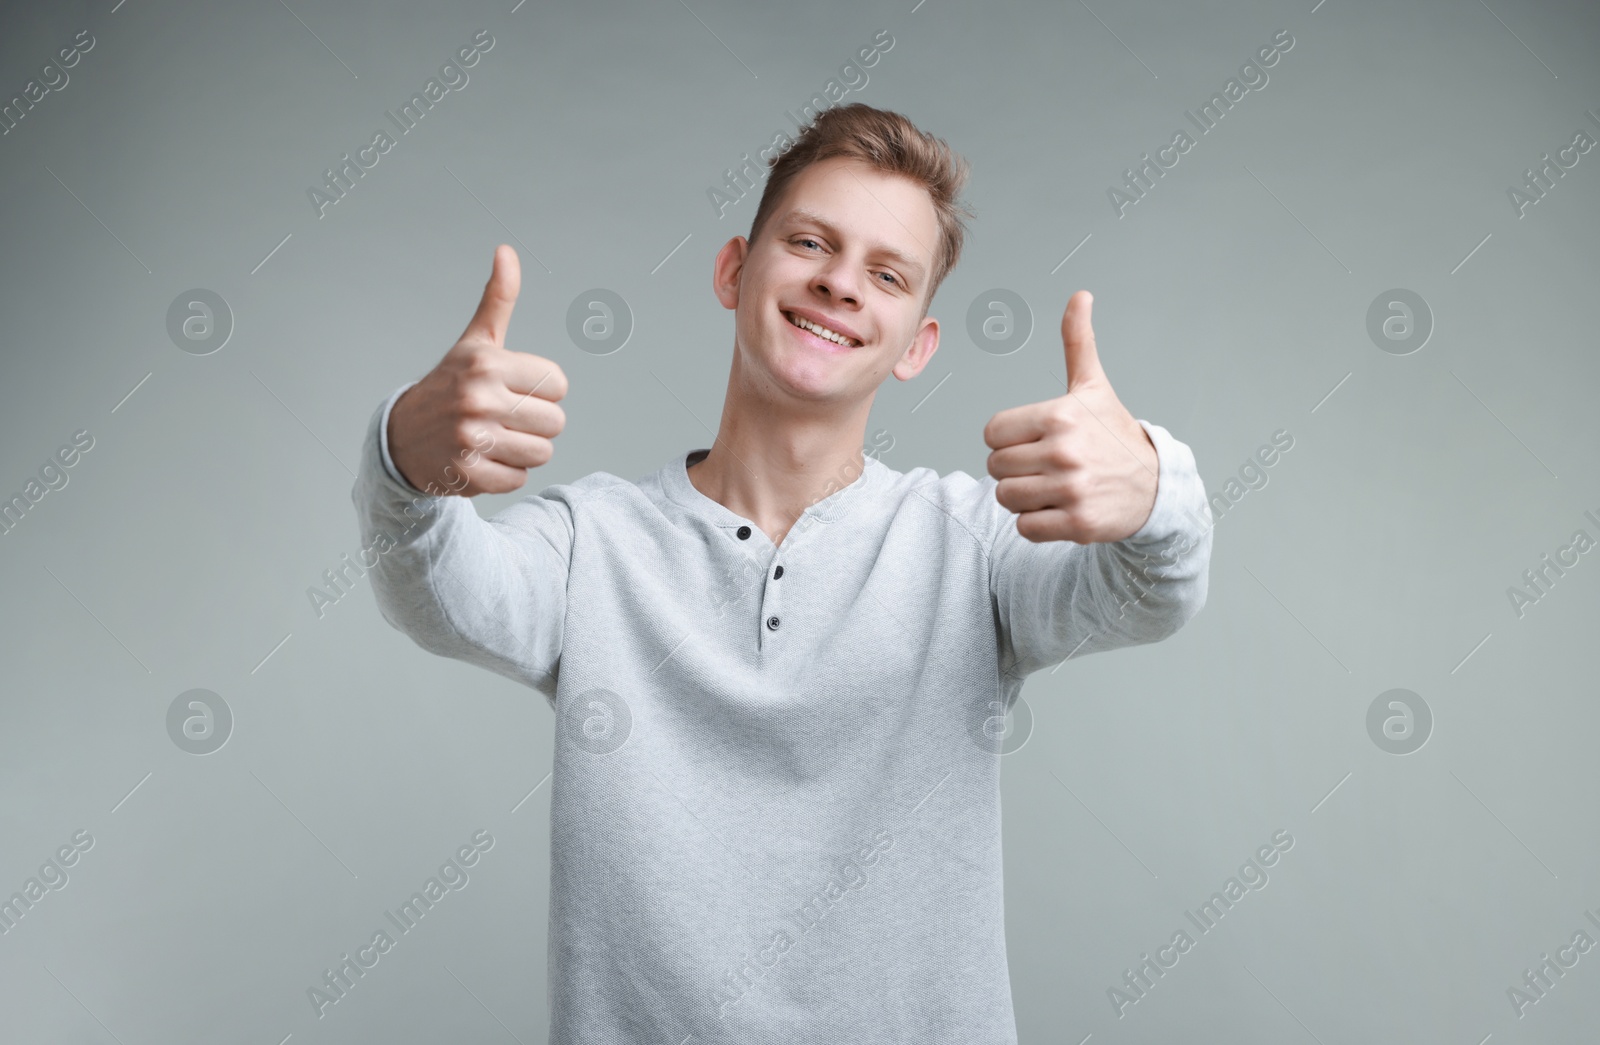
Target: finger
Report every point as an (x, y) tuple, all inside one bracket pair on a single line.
[(486, 476), (534, 415), (513, 449), (1077, 335), (1019, 424), (1027, 494), (506, 410), (1021, 459), (499, 297), (1046, 525), (528, 374)]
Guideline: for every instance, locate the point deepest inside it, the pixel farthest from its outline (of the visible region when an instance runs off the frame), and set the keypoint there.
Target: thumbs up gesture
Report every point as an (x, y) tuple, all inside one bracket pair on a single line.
[(485, 414), (1078, 467)]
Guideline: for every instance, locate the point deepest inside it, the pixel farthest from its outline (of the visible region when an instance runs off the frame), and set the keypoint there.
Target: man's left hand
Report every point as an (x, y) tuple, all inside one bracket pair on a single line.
[(1078, 467)]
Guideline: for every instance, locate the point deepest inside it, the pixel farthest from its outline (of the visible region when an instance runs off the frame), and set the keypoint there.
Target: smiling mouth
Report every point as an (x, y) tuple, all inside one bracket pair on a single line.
[(822, 332)]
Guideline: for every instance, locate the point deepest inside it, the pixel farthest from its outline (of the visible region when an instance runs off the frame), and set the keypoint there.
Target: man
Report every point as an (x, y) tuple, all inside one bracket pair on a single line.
[(777, 664)]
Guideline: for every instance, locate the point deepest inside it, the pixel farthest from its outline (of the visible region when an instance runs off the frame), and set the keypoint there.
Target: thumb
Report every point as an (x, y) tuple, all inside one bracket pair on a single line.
[(499, 298), (1083, 360)]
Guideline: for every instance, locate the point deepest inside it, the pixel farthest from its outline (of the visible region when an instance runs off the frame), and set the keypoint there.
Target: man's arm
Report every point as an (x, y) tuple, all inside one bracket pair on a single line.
[(1060, 599), (1111, 542), (492, 592)]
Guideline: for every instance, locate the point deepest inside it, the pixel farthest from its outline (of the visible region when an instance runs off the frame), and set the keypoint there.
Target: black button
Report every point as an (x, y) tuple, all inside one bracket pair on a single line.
[(744, 533), (777, 573), (772, 623)]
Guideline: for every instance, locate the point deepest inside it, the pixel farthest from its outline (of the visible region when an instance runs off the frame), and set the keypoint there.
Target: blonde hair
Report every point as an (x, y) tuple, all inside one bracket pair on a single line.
[(887, 142)]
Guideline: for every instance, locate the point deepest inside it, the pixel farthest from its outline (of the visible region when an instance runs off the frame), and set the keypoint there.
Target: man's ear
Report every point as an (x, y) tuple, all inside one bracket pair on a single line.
[(923, 345), (727, 270)]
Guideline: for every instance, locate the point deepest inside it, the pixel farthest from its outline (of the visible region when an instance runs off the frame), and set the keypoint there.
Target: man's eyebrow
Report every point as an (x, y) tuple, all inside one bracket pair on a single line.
[(800, 214)]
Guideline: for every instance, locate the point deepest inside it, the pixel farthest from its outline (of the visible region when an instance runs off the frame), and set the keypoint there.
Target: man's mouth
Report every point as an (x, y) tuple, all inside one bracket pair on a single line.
[(821, 331)]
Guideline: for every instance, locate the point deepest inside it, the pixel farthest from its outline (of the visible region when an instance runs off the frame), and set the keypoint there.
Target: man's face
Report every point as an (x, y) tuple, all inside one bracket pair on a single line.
[(852, 249)]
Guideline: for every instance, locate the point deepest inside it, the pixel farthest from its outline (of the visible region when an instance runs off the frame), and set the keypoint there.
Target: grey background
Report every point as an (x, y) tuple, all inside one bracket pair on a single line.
[(1230, 303)]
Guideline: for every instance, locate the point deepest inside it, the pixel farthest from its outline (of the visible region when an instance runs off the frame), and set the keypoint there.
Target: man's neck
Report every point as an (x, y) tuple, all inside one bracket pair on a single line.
[(775, 456), (772, 468), (773, 486)]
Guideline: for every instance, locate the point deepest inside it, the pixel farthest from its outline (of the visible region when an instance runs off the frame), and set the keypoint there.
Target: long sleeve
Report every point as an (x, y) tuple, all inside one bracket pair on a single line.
[(492, 592), (1058, 598)]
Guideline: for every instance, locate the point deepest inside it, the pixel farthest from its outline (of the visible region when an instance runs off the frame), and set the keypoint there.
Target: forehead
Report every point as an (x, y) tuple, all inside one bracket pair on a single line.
[(892, 213)]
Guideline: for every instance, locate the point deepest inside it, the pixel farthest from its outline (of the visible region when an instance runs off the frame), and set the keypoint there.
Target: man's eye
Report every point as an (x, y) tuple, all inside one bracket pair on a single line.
[(893, 279)]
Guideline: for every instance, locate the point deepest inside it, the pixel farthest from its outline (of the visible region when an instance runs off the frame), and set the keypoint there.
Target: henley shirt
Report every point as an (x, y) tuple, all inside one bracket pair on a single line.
[(775, 789)]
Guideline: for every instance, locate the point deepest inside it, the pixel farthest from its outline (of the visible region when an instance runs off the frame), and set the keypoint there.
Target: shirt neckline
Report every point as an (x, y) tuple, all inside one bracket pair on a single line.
[(831, 508)]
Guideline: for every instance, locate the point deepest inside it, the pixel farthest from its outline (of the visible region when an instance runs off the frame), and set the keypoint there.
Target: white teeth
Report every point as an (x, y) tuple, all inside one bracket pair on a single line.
[(820, 331)]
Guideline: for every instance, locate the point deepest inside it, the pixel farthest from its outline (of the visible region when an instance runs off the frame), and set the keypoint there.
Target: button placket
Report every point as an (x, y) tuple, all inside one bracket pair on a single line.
[(770, 598), (744, 533), (771, 619)]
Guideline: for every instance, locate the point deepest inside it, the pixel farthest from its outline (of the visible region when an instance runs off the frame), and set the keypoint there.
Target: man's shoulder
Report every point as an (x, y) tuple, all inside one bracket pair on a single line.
[(561, 503), (963, 499)]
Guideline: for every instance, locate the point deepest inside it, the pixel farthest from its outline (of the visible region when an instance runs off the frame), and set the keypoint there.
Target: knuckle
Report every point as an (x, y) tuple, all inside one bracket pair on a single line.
[(479, 364), (1060, 454), (465, 351), (465, 435), (475, 400)]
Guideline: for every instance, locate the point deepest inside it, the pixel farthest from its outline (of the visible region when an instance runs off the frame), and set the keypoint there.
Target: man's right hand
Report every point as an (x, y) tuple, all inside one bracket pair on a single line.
[(485, 415)]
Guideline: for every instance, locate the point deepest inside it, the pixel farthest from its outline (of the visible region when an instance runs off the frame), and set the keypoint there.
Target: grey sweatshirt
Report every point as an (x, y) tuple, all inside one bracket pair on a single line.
[(775, 800)]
